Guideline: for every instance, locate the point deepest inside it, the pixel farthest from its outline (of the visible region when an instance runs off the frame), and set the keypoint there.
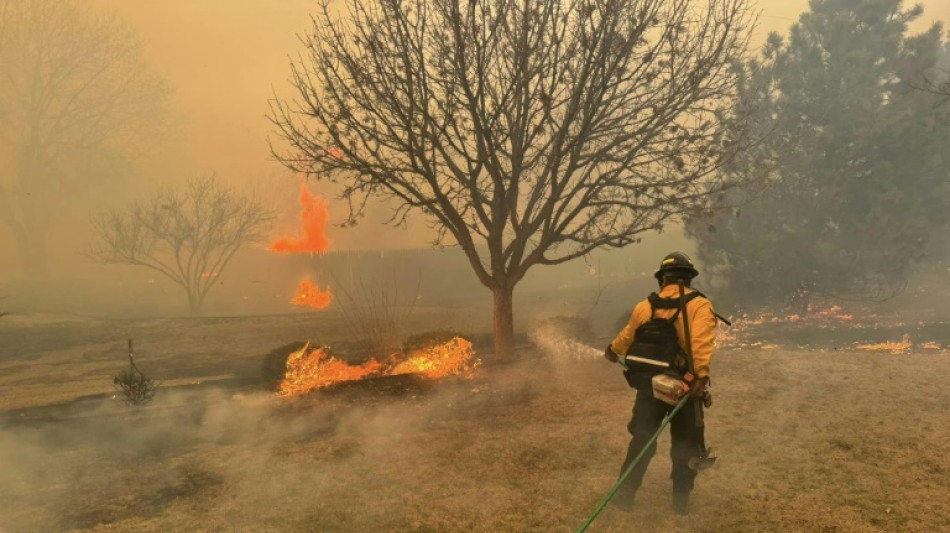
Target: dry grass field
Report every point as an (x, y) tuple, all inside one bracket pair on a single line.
[(809, 440)]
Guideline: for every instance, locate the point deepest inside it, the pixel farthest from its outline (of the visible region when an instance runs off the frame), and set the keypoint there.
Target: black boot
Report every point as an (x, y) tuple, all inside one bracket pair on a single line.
[(681, 502)]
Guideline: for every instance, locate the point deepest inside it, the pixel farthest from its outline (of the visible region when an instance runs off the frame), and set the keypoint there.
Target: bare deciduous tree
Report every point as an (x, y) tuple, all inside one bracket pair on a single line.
[(529, 132), (188, 236), (76, 101)]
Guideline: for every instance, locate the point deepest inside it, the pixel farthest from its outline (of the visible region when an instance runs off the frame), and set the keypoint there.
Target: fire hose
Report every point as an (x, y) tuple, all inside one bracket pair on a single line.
[(626, 473)]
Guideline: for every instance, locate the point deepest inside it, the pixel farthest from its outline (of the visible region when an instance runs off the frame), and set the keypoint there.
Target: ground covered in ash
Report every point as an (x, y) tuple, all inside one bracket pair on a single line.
[(818, 439)]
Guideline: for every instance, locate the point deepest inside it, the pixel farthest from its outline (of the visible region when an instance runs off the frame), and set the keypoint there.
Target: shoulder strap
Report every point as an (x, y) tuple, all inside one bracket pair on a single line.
[(719, 317), (657, 302)]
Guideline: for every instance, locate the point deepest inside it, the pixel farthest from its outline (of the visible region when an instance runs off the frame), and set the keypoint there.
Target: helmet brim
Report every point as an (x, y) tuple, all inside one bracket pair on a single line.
[(690, 270)]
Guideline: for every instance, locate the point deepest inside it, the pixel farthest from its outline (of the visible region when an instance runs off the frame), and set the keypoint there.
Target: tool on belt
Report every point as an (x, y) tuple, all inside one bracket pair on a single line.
[(702, 460)]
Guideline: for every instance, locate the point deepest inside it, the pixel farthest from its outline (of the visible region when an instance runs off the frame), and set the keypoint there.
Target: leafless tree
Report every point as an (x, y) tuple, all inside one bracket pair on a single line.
[(529, 132), (76, 102), (188, 236)]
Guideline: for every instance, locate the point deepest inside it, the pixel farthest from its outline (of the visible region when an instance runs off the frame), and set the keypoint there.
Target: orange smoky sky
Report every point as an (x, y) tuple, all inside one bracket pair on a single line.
[(225, 59), (313, 223)]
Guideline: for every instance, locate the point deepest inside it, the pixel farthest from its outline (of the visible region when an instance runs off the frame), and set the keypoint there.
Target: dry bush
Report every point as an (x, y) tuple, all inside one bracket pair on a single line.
[(374, 311), (135, 387)]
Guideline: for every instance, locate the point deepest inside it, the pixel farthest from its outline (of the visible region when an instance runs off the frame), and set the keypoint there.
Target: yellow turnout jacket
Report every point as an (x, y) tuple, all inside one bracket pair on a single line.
[(702, 327)]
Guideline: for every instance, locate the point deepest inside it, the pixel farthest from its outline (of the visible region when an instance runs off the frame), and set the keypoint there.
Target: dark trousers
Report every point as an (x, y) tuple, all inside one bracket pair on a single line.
[(687, 437)]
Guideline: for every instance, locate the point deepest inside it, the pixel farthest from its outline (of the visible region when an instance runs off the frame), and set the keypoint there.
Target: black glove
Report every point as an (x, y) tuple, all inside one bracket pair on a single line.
[(698, 387), (610, 355)]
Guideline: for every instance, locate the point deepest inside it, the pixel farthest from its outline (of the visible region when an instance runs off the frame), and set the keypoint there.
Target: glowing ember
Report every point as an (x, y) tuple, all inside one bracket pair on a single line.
[(313, 222), (454, 358), (903, 346), (308, 370), (309, 295), (834, 313)]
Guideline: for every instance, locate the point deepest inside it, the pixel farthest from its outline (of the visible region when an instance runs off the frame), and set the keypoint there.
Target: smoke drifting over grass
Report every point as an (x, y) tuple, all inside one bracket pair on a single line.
[(115, 463), (202, 460)]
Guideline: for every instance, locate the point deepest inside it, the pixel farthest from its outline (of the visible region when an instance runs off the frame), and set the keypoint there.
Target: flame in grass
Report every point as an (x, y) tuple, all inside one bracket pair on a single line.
[(453, 358), (903, 346), (313, 223), (309, 295), (312, 369), (743, 331), (308, 370)]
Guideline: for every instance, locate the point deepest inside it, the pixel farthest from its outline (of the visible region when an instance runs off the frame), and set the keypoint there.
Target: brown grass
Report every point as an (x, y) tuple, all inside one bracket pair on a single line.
[(835, 441)]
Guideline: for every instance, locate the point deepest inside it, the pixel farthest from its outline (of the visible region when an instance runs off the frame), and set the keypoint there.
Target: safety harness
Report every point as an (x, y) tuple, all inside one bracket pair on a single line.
[(656, 348)]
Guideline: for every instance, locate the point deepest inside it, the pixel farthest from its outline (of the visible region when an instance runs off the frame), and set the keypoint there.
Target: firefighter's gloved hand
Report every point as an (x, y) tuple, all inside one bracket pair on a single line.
[(610, 355), (698, 388)]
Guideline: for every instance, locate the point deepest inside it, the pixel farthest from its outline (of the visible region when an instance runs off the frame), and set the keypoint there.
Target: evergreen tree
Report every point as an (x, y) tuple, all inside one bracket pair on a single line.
[(855, 160)]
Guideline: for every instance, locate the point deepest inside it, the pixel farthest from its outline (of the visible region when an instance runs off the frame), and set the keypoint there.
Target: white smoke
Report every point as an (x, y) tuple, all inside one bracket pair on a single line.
[(559, 345)]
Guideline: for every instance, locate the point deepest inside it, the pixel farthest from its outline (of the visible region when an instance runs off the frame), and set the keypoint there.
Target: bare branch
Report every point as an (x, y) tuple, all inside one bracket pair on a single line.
[(187, 236), (528, 132)]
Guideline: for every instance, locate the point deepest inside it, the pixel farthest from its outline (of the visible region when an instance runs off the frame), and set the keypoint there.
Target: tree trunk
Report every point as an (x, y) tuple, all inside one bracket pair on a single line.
[(194, 301), (504, 323)]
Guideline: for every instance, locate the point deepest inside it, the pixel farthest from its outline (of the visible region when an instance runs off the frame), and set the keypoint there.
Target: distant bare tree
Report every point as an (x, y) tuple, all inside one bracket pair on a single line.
[(76, 102), (530, 132), (188, 236)]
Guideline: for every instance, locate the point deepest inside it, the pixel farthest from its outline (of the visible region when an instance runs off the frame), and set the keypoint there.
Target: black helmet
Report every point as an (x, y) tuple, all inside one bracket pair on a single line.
[(676, 262)]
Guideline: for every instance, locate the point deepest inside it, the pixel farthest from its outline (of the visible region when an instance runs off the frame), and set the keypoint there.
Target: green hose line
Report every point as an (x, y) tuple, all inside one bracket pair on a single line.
[(626, 473)]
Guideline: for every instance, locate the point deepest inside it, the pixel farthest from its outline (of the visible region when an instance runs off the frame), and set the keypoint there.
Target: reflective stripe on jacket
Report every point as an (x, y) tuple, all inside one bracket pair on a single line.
[(702, 327)]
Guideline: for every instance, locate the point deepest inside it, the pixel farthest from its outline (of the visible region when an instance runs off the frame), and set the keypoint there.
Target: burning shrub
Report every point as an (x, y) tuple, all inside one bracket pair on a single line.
[(310, 369), (306, 369), (274, 365), (134, 386), (453, 358)]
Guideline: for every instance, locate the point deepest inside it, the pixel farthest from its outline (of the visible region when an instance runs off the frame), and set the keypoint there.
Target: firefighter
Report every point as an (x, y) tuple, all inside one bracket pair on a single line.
[(654, 342)]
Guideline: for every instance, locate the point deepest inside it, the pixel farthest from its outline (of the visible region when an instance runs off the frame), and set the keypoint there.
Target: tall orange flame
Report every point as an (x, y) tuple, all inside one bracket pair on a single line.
[(309, 295), (313, 223)]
